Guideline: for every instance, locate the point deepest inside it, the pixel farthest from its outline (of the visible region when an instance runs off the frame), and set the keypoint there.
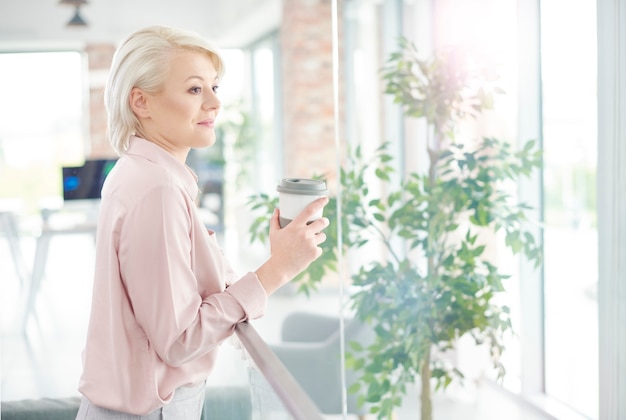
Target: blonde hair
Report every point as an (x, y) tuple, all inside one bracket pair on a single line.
[(143, 61)]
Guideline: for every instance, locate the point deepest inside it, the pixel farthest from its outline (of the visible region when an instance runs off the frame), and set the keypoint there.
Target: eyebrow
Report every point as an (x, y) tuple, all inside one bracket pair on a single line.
[(200, 78)]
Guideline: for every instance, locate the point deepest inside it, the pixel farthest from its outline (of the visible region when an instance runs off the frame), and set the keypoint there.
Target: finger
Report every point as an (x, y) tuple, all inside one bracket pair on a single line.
[(310, 210), (321, 223), (317, 226), (320, 238), (274, 220)]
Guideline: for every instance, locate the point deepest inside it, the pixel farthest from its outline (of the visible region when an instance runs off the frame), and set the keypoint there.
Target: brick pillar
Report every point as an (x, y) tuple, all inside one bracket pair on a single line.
[(307, 72), (99, 57)]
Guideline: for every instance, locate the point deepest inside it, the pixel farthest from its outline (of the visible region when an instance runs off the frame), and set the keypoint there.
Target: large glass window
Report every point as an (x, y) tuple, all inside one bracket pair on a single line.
[(570, 236), (252, 135), (265, 101), (42, 126), (564, 358)]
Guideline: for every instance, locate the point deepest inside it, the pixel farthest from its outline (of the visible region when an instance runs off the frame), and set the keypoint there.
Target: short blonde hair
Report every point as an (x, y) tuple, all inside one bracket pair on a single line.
[(143, 61)]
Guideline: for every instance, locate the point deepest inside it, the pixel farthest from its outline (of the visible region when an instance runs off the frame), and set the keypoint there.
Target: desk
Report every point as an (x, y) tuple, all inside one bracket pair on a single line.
[(76, 218)]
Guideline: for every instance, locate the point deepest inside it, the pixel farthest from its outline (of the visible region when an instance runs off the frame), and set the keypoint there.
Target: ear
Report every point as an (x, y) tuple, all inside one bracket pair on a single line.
[(139, 103)]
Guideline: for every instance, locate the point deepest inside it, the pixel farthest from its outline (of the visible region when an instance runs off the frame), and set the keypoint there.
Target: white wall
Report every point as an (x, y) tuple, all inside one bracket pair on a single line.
[(232, 23)]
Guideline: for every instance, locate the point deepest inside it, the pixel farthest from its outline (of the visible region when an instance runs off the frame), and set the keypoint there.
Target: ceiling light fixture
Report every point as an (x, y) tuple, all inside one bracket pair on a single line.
[(77, 20)]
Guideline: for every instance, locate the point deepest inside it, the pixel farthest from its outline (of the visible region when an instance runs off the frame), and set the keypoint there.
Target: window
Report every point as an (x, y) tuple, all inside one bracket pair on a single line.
[(264, 69), (44, 126), (570, 236), (558, 357)]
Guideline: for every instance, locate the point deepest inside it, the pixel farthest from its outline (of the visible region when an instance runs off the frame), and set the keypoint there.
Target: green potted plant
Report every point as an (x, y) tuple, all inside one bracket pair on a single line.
[(438, 285)]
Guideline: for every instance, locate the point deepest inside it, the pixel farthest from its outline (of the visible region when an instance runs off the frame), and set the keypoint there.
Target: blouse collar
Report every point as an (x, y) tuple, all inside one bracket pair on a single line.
[(161, 157)]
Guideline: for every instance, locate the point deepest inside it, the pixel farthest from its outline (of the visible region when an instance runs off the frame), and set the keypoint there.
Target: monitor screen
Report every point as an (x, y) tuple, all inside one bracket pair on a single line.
[(85, 182)]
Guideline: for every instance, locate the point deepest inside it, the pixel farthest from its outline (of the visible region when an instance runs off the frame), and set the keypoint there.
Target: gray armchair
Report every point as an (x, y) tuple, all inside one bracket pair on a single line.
[(310, 349)]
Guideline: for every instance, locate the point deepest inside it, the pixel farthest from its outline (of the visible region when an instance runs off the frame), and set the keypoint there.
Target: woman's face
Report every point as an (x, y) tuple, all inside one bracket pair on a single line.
[(182, 114)]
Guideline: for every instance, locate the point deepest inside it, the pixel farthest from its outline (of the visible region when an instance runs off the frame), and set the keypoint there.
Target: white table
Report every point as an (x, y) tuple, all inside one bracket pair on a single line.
[(8, 226), (71, 219)]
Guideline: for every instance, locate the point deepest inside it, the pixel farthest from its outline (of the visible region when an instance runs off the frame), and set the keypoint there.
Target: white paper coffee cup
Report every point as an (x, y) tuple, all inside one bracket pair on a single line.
[(294, 194)]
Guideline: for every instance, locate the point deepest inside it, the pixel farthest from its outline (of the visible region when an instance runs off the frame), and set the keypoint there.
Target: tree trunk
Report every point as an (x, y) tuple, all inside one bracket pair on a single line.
[(433, 150), (426, 401)]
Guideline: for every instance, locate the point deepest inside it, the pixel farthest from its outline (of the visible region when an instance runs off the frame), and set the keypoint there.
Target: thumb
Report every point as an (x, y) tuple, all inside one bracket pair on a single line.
[(274, 220)]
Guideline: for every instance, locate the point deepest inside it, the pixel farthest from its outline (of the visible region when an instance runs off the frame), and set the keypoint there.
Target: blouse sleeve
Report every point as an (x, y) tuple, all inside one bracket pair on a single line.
[(155, 254)]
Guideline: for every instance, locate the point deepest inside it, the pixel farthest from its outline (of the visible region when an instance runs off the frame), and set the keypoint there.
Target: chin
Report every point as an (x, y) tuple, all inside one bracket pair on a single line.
[(204, 143)]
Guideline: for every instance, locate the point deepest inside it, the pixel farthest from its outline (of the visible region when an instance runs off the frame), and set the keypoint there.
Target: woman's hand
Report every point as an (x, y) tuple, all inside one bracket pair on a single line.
[(293, 247)]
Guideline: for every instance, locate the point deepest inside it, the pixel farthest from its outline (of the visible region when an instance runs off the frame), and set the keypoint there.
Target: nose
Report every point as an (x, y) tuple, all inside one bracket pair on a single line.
[(211, 101)]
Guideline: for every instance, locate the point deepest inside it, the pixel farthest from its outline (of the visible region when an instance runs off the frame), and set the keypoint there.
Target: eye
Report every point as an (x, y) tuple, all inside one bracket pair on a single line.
[(215, 88), (196, 90)]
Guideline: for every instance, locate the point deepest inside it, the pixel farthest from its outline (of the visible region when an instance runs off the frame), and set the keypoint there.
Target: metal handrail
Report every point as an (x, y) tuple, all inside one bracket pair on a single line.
[(293, 397)]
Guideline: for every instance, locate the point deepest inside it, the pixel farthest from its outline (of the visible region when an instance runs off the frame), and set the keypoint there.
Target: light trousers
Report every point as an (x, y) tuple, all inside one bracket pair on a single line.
[(186, 405)]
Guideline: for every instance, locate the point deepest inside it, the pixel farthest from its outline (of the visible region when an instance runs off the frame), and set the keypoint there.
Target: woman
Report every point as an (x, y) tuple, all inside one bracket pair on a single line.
[(164, 297)]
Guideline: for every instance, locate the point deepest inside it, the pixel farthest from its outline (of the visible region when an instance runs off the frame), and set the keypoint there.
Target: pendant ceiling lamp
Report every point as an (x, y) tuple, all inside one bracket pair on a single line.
[(77, 20)]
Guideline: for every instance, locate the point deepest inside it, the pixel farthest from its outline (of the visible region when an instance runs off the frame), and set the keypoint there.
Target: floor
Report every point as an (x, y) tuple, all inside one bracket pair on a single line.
[(44, 360)]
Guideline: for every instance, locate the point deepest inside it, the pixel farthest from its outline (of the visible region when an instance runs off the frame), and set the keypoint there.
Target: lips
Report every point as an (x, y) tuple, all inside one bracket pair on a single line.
[(207, 123)]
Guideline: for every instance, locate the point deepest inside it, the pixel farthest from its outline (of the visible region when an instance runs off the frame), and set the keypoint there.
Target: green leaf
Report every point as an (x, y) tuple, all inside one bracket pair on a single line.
[(354, 388)]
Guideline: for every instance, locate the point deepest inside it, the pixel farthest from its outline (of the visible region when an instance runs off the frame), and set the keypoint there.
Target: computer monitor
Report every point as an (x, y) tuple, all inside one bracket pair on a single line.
[(85, 182)]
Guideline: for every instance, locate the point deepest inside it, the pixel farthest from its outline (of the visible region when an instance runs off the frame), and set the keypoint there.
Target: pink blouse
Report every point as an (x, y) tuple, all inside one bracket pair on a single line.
[(164, 297)]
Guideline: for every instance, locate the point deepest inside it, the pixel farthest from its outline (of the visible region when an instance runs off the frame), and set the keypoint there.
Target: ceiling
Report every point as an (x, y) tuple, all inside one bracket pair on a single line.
[(35, 24)]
